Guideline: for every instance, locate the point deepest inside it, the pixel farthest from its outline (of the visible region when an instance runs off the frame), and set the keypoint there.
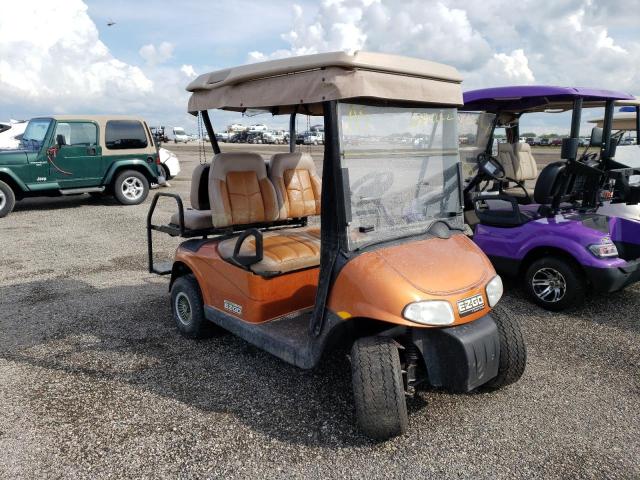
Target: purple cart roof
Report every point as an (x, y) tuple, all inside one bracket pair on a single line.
[(535, 98)]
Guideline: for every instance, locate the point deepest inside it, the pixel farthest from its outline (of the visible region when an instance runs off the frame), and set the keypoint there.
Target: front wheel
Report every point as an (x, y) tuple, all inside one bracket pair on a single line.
[(131, 187), (7, 199), (378, 389), (555, 284), (513, 350)]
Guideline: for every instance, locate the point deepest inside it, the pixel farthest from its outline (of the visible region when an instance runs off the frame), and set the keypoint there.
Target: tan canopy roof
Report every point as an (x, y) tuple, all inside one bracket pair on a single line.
[(621, 121), (281, 85)]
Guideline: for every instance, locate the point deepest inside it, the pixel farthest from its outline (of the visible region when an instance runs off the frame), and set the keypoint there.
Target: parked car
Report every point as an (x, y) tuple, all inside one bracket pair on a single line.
[(169, 162), (544, 142), (222, 136), (556, 141), (178, 135), (274, 137), (11, 133), (258, 127), (313, 138), (72, 154), (530, 140)]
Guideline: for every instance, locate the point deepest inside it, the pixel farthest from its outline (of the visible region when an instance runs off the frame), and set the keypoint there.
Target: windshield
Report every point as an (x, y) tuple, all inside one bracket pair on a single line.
[(402, 168), (474, 130), (179, 131), (34, 133)]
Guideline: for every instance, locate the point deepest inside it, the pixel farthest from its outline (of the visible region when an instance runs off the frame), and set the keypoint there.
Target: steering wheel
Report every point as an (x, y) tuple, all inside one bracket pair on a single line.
[(490, 167), (367, 193)]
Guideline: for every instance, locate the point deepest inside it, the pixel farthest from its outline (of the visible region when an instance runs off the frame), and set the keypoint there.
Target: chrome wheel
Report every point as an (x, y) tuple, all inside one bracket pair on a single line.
[(549, 285), (183, 308), (132, 188), (3, 199)]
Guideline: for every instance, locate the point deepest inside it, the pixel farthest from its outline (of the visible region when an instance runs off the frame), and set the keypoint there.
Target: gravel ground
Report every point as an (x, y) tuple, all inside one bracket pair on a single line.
[(96, 382)]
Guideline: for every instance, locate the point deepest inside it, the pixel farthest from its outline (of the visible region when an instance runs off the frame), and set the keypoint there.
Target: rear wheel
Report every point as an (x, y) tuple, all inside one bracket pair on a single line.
[(513, 350), (555, 283), (131, 187), (167, 173), (7, 199), (378, 388), (188, 308)]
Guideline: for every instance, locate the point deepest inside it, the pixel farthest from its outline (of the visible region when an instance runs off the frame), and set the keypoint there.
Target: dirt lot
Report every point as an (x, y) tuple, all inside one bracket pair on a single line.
[(96, 383)]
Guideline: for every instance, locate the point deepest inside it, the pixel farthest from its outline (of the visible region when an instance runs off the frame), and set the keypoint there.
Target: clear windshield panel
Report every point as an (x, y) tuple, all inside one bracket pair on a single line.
[(402, 169), (474, 130), (34, 133)]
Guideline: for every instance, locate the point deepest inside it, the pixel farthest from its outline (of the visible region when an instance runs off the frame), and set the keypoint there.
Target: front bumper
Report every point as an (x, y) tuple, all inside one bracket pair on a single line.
[(614, 278), (460, 358)]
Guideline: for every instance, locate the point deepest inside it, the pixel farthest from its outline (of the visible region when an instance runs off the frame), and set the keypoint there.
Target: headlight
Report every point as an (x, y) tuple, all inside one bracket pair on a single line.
[(430, 312), (604, 249), (494, 290)]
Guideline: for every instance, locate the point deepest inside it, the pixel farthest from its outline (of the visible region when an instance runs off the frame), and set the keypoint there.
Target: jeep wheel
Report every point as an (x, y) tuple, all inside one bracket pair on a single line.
[(131, 187), (555, 284), (167, 173), (513, 350), (188, 308), (378, 389), (7, 199)]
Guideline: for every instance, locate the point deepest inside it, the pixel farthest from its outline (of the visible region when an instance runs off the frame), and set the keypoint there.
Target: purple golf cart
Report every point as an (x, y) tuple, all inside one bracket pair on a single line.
[(550, 235)]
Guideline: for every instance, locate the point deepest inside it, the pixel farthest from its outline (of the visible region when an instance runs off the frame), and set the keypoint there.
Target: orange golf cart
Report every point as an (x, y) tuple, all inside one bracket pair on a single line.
[(387, 268)]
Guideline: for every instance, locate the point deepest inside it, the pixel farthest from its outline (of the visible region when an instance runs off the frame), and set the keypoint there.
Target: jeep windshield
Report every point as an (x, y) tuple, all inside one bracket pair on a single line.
[(402, 168), (34, 134)]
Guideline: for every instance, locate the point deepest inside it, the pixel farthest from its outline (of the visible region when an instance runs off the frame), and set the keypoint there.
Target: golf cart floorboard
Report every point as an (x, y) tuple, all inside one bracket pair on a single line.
[(286, 337)]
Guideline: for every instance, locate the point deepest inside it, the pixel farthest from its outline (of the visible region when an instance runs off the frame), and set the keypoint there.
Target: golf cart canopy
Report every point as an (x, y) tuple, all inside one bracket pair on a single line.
[(536, 98), (626, 119), (303, 83)]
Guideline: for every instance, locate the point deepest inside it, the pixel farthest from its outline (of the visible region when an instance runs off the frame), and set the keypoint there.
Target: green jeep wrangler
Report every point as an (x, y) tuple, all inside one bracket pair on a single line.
[(68, 155)]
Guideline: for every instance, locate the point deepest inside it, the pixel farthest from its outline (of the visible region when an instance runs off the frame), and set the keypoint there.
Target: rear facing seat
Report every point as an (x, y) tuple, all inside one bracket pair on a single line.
[(199, 216), (241, 193)]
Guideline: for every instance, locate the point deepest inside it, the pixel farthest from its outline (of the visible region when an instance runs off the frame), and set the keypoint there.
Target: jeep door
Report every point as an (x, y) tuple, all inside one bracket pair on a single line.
[(78, 160)]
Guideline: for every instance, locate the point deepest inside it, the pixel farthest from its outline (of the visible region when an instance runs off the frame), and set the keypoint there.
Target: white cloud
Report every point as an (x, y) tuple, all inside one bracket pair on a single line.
[(50, 53), (189, 71), (155, 55)]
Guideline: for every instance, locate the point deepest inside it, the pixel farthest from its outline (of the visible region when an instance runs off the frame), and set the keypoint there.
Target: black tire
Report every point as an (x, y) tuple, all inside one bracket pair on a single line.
[(187, 308), (7, 199), (378, 389), (513, 350), (167, 175), (567, 275), (141, 186)]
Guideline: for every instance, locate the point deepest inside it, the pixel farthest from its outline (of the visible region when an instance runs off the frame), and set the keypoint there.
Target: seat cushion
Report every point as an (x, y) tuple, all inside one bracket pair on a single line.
[(194, 219), (283, 251)]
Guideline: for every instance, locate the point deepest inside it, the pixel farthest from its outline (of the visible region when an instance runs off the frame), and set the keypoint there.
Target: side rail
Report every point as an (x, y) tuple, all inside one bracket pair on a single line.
[(165, 267)]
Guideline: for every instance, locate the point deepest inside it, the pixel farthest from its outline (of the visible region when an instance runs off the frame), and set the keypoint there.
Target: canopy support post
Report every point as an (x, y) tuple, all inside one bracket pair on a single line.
[(292, 131), (212, 136), (637, 124), (605, 150)]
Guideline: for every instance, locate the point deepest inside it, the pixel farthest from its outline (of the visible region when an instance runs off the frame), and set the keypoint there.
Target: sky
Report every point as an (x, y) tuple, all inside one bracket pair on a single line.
[(60, 56)]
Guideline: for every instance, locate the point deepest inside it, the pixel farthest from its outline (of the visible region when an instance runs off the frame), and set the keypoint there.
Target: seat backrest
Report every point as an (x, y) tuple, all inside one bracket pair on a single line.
[(548, 182), (298, 186), (506, 158), (240, 192), (200, 187), (525, 166)]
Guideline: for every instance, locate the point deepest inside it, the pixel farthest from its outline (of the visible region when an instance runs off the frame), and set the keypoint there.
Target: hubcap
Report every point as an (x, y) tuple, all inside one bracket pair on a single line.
[(549, 285), (3, 199), (183, 308), (132, 188)]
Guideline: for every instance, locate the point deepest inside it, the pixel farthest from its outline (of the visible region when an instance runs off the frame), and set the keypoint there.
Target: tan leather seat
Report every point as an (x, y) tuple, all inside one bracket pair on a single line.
[(519, 164), (241, 193), (283, 251), (239, 190), (298, 188), (199, 216)]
